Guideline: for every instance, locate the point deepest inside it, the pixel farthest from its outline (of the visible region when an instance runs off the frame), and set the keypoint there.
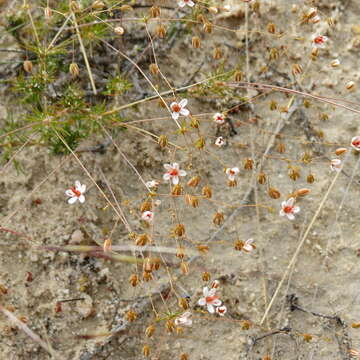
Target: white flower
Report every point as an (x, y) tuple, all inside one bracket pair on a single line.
[(355, 143), (152, 184), (320, 40), (220, 141), (335, 165), (76, 193), (232, 172), (184, 319), (209, 299), (249, 245), (288, 209), (219, 118), (221, 310), (147, 216), (173, 173), (179, 109), (182, 3)]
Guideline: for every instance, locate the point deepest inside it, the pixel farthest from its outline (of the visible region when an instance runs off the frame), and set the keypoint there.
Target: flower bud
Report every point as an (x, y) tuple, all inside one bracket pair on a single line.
[(142, 240), (302, 192), (155, 11), (194, 181), (340, 151), (207, 192), (179, 230), (273, 193), (205, 276), (98, 5), (146, 206), (119, 30), (107, 245), (261, 178), (350, 85), (310, 178), (163, 141), (74, 70), (130, 315), (153, 68), (146, 350), (133, 280), (47, 13), (218, 218), (217, 53), (160, 31), (271, 28), (177, 190), (184, 267), (28, 66), (183, 303), (149, 331)]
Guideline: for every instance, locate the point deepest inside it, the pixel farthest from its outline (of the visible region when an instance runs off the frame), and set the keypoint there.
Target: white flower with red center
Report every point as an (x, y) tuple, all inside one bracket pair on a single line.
[(179, 109), (183, 3), (320, 41), (76, 193), (152, 184), (184, 319), (249, 246), (220, 141), (221, 310), (335, 165), (232, 172), (173, 172), (288, 209), (355, 143), (148, 216), (209, 299), (219, 118)]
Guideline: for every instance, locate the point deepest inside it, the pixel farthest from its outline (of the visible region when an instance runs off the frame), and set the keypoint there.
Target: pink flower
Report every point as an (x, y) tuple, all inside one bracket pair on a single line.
[(209, 299), (335, 165), (288, 209), (148, 216), (355, 143), (232, 172), (320, 40), (179, 109), (221, 310), (184, 319), (182, 3), (173, 173), (249, 246), (220, 141), (219, 118), (152, 184), (76, 193)]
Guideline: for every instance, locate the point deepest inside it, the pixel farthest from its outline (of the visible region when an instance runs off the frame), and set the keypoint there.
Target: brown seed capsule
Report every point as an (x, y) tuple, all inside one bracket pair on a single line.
[(208, 27), (203, 249), (133, 280), (163, 141), (107, 245), (47, 13), (98, 5), (246, 324), (273, 54), (153, 68), (232, 183), (147, 276), (147, 265), (266, 357), (179, 230), (315, 52), (350, 85), (160, 31), (196, 42), (146, 206), (207, 192), (238, 75), (218, 218), (271, 28), (205, 276), (119, 30), (58, 307), (142, 240), (307, 337), (302, 192), (297, 69), (194, 122), (273, 193), (180, 253), (170, 326), (146, 350), (340, 151), (29, 276), (183, 303), (155, 11), (184, 267), (217, 54), (28, 66), (3, 290), (194, 181), (177, 190), (130, 315), (310, 178), (74, 70), (294, 173), (200, 143), (184, 356), (248, 164), (149, 331), (273, 105), (262, 178), (126, 8), (281, 148), (238, 245)]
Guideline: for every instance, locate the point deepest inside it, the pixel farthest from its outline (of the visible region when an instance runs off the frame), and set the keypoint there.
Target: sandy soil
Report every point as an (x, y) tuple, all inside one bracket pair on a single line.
[(319, 298)]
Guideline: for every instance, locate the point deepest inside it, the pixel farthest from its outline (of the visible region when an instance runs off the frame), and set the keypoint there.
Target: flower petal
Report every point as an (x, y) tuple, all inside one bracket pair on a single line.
[(282, 212), (191, 3), (69, 193), (166, 177), (202, 302), (72, 200), (182, 173), (206, 291), (83, 188), (175, 115), (175, 180), (184, 112), (183, 102), (290, 216), (210, 308), (290, 202), (77, 185), (216, 302), (167, 167), (296, 209), (175, 166), (82, 198)]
